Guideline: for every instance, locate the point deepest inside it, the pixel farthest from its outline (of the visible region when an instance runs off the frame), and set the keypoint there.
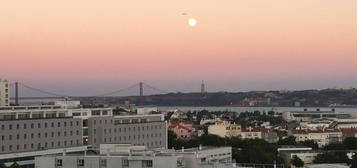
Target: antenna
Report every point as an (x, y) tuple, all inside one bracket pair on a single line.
[(203, 88)]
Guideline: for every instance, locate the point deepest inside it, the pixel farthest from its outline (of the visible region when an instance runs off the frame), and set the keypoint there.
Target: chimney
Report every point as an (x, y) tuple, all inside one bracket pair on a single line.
[(183, 149), (200, 147), (85, 153), (64, 152)]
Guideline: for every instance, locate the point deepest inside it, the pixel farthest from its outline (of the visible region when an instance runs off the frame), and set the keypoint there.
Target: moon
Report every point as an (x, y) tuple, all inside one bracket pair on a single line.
[(192, 22)]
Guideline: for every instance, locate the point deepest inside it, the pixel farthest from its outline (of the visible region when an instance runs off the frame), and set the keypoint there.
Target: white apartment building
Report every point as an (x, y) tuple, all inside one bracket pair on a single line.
[(225, 129), (346, 123), (4, 93), (127, 156), (321, 137), (30, 130)]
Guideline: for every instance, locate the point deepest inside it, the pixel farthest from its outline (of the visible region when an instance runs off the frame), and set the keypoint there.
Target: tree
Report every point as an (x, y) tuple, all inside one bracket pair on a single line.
[(171, 137), (350, 143), (311, 143), (290, 140), (332, 157), (296, 161)]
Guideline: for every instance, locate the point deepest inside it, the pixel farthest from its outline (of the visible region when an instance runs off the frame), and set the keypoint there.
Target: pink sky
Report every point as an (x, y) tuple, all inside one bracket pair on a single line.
[(237, 45)]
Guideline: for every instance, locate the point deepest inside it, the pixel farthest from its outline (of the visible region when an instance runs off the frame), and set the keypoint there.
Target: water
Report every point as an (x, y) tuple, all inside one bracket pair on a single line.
[(352, 111)]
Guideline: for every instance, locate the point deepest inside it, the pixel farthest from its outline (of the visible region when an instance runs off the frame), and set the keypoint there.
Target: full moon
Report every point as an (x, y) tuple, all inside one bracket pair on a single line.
[(192, 22)]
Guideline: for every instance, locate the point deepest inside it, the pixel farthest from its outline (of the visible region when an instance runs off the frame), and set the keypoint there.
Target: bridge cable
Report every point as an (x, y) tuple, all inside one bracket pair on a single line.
[(117, 91), (42, 91)]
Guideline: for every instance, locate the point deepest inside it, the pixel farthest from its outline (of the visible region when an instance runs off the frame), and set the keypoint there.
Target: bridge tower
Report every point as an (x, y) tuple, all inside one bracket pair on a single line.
[(203, 87), (16, 93), (141, 93)]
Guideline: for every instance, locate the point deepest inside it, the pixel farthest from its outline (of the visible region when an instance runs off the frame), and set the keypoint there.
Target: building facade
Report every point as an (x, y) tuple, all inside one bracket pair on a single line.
[(145, 130), (30, 131), (225, 129), (321, 137), (138, 157), (4, 93)]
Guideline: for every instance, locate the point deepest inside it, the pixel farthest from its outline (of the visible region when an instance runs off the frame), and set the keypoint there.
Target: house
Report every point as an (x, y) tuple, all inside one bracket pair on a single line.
[(181, 128)]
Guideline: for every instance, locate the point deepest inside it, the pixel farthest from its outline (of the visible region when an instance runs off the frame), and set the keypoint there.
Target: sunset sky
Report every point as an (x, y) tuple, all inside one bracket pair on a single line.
[(91, 46)]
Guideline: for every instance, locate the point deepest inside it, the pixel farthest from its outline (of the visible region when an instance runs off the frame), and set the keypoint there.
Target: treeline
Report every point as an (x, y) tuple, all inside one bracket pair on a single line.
[(308, 98), (244, 150)]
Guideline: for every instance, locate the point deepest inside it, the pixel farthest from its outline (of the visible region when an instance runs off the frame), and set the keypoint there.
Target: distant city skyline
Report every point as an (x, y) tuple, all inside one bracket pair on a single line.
[(90, 47)]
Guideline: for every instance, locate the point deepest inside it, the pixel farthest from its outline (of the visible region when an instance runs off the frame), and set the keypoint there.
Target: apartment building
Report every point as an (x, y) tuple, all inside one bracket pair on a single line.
[(28, 131), (321, 137), (145, 130), (4, 93), (308, 116), (225, 128), (141, 157)]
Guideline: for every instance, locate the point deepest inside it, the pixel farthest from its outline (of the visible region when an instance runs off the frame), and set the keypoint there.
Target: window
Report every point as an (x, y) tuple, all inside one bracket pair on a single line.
[(10, 137), (103, 162), (95, 112), (125, 163), (18, 126), (59, 162), (80, 162), (46, 125), (146, 163), (105, 112), (76, 114), (58, 124), (85, 123), (2, 127), (38, 125), (10, 127), (25, 126), (32, 125)]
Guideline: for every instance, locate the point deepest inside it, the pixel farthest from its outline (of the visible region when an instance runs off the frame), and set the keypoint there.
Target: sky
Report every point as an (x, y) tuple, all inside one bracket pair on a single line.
[(87, 47)]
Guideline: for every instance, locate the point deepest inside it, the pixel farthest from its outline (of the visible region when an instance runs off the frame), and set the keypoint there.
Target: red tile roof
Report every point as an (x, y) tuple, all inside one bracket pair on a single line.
[(349, 131)]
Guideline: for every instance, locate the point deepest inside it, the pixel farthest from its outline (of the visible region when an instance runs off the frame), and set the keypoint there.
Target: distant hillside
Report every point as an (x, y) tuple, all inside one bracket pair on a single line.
[(307, 98)]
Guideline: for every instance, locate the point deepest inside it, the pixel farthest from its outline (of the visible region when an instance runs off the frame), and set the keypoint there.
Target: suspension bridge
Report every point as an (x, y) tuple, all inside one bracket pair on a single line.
[(22, 91)]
